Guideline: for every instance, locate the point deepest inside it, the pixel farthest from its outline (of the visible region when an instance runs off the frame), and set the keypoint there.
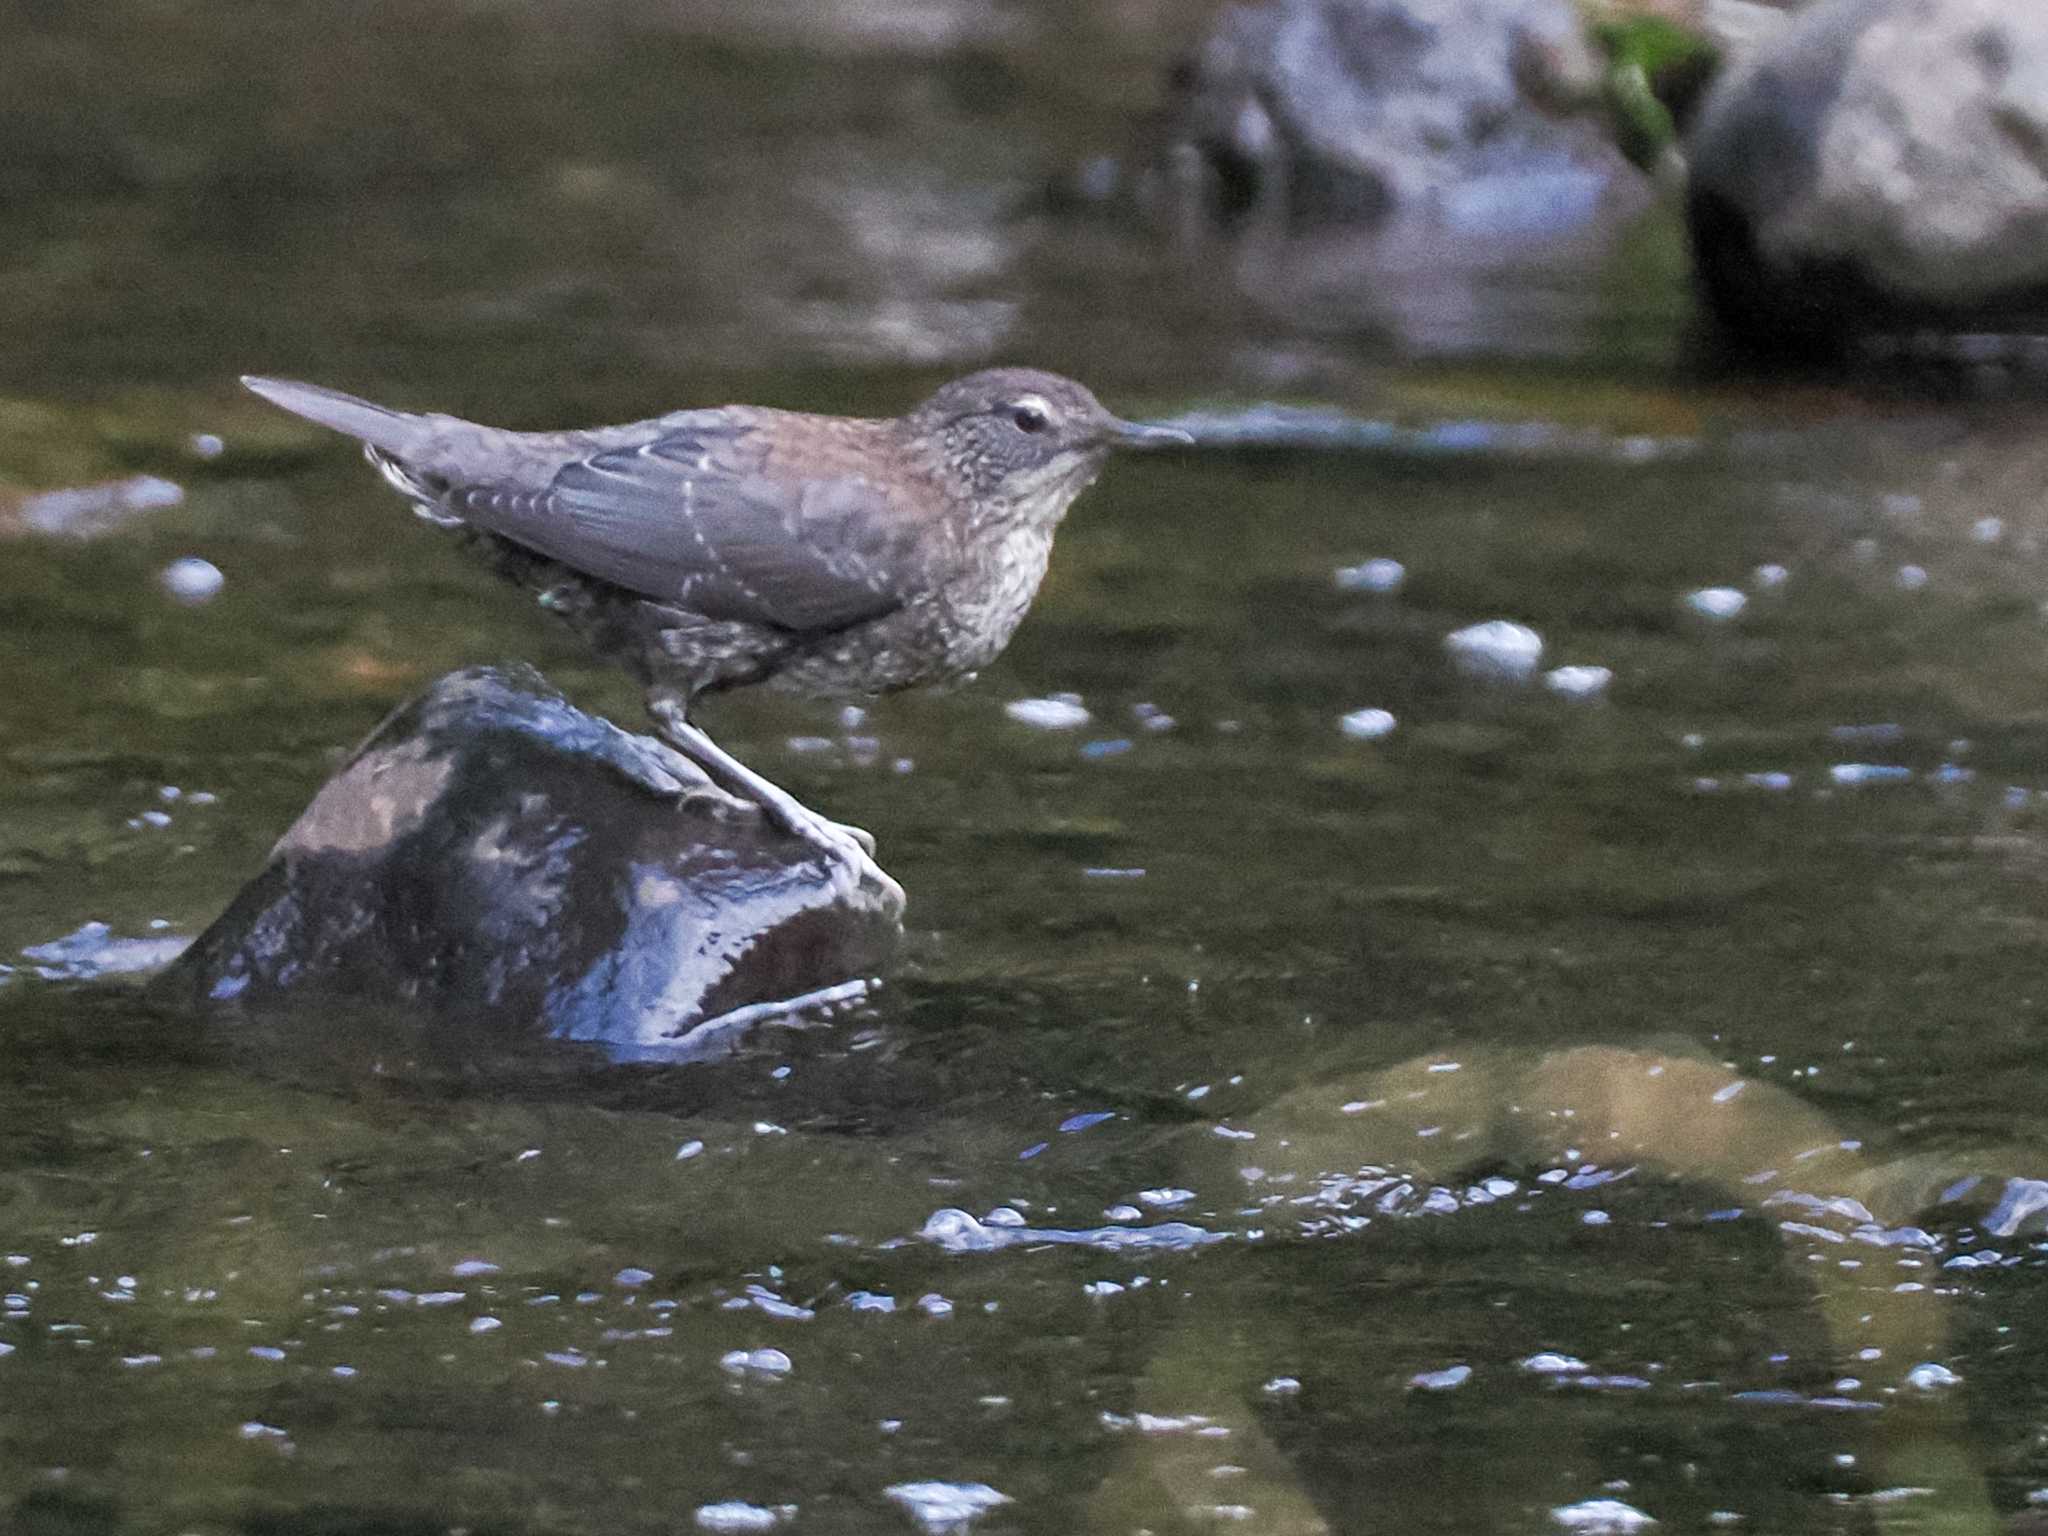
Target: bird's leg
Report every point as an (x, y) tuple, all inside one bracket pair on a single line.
[(783, 808), (846, 846)]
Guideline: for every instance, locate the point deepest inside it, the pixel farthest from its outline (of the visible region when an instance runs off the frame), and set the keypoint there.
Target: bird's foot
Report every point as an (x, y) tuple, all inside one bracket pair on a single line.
[(860, 835), (849, 853)]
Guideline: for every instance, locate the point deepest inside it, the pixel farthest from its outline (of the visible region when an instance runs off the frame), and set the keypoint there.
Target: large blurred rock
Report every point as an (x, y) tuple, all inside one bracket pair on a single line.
[(1878, 165), (1458, 112), (87, 511), (493, 855)]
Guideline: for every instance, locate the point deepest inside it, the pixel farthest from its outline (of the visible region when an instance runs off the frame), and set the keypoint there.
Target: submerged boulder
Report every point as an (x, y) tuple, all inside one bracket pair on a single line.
[(1458, 113), (493, 855), (1878, 166), (1437, 172)]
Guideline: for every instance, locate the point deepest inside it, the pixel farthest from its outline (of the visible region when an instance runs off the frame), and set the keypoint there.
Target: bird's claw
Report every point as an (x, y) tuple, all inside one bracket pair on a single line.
[(848, 854), (851, 853), (861, 836)]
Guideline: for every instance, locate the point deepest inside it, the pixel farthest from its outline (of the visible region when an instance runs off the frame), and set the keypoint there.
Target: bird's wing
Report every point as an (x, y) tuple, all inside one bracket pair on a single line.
[(688, 518)]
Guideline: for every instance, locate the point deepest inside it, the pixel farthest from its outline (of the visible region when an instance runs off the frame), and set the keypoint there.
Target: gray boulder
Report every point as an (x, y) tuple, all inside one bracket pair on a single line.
[(1878, 166), (1459, 113), (494, 857)]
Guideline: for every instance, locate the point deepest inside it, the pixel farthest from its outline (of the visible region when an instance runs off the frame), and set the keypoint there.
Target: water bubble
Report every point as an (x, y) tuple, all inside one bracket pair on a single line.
[(1550, 1363), (945, 1509), (1061, 712), (1367, 724), (1716, 603), (1499, 650), (1378, 575), (959, 1231), (1578, 682), (1165, 1423), (767, 1364), (1443, 1380), (1601, 1517), (759, 1296), (737, 1516), (191, 580)]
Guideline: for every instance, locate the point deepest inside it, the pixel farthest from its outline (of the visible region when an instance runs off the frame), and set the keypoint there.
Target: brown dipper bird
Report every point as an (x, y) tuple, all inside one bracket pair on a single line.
[(710, 549)]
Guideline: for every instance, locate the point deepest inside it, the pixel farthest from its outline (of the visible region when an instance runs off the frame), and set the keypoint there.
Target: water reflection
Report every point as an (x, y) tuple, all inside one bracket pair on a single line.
[(1597, 1116), (1539, 1241)]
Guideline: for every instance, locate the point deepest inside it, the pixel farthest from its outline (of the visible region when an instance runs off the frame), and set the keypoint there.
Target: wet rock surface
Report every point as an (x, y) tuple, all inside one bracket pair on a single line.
[(1307, 113), (492, 855), (1878, 165)]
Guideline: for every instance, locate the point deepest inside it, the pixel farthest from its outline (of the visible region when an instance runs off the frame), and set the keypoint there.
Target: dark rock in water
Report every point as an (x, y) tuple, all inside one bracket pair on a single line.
[(1462, 114), (492, 855), (1878, 166)]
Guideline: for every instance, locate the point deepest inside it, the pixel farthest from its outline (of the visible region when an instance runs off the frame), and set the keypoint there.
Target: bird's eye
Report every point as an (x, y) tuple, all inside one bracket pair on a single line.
[(1029, 418)]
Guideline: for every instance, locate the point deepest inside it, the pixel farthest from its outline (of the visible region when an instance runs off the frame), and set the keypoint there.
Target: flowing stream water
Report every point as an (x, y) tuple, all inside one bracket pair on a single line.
[(1539, 1105)]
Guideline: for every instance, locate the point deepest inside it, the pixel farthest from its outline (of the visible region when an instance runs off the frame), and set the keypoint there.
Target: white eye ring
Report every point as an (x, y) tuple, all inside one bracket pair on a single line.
[(1030, 414)]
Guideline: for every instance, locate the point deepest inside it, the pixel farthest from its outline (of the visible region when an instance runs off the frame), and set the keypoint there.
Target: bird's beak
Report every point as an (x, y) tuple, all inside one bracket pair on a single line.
[(1139, 434)]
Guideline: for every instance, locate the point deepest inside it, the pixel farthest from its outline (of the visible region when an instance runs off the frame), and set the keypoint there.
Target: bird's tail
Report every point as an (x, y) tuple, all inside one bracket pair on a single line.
[(395, 433)]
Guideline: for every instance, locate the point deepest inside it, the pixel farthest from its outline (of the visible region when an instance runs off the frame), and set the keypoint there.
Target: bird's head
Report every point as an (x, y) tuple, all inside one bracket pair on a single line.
[(1026, 443)]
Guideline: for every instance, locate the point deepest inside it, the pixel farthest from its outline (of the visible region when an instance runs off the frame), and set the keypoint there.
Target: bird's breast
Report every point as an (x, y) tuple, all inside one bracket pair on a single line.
[(986, 604)]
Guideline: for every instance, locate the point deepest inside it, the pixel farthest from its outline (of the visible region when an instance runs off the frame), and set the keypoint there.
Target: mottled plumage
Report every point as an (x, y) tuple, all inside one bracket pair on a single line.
[(709, 549)]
